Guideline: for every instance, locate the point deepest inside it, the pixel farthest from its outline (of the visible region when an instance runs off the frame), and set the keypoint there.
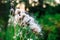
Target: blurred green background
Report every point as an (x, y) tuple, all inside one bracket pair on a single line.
[(47, 13)]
